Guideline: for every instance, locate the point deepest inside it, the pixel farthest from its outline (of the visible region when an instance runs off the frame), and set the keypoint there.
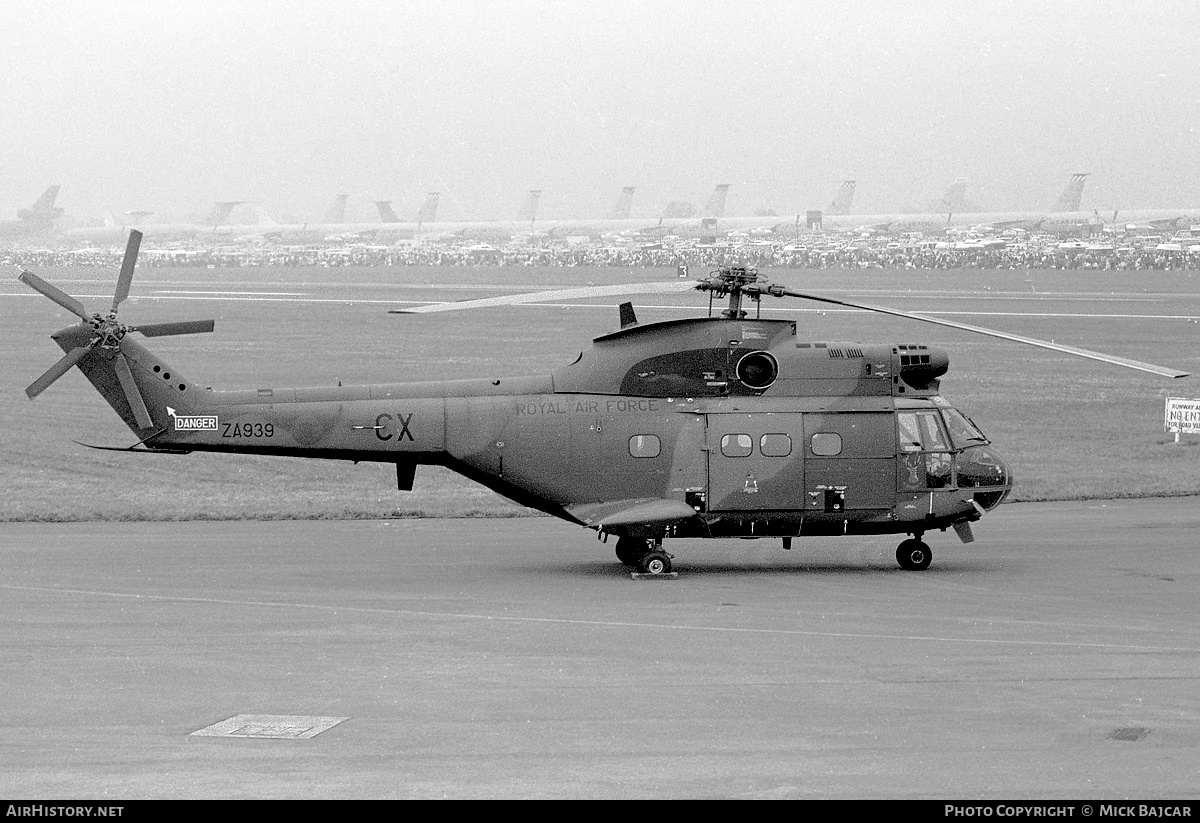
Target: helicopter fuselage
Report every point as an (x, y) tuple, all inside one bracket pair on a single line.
[(699, 428)]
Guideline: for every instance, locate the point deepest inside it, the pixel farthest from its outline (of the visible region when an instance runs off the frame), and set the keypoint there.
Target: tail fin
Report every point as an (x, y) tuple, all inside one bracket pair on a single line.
[(386, 213), (131, 380), (1072, 194), (46, 201), (716, 203), (264, 219), (337, 211), (428, 212), (220, 212), (530, 206), (43, 209), (845, 196), (624, 204), (954, 198)]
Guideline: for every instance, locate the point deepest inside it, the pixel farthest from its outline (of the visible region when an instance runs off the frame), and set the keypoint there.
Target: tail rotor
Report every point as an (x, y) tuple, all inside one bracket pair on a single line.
[(107, 332)]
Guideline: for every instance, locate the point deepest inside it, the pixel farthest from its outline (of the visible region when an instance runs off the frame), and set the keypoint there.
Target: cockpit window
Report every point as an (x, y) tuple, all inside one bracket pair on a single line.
[(921, 431), (935, 441), (963, 432)]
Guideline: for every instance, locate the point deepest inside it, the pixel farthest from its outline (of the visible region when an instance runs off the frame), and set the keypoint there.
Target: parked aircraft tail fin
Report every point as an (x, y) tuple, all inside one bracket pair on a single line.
[(221, 211), (716, 202), (530, 206), (428, 212), (953, 200), (386, 213), (845, 196), (46, 201), (337, 211), (265, 219), (1072, 194), (43, 209), (624, 204)]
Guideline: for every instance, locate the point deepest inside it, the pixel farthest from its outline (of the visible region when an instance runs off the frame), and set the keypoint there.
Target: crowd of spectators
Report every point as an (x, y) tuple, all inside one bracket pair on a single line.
[(877, 253)]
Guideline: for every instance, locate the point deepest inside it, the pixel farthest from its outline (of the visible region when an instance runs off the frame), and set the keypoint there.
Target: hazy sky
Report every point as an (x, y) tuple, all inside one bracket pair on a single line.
[(171, 105)]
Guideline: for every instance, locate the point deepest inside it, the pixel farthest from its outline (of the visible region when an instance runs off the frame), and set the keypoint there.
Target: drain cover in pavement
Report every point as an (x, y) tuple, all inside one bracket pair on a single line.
[(272, 726)]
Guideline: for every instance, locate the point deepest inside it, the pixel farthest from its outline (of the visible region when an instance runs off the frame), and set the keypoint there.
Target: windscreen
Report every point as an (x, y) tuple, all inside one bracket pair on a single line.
[(963, 432)]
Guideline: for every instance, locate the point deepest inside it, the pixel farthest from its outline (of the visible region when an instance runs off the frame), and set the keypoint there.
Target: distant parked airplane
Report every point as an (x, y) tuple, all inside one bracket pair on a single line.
[(1063, 216), (37, 219)]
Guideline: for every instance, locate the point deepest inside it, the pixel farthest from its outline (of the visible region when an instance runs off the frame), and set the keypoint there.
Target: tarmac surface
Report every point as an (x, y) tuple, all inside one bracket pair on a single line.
[(1058, 656)]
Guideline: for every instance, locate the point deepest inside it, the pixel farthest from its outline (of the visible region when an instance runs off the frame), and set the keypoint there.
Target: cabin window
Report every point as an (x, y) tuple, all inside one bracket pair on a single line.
[(736, 445), (644, 445), (910, 432), (826, 444), (775, 445)]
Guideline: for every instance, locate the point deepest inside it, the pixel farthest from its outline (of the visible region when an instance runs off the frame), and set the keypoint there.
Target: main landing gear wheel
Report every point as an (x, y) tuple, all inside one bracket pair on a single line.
[(656, 562), (913, 555), (631, 550)]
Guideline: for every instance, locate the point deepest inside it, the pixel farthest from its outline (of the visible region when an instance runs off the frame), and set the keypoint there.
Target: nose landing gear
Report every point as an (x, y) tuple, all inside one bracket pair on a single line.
[(656, 562), (643, 555)]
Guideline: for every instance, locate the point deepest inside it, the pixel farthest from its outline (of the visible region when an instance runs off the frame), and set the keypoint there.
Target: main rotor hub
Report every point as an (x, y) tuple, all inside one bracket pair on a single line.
[(738, 275), (109, 330), (736, 281)]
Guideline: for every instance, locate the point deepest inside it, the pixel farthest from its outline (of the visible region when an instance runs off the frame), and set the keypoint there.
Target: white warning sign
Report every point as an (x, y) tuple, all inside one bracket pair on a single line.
[(1182, 415)]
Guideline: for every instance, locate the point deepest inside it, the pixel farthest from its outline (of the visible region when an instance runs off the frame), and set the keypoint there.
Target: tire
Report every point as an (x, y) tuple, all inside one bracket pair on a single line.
[(914, 556), (655, 563)]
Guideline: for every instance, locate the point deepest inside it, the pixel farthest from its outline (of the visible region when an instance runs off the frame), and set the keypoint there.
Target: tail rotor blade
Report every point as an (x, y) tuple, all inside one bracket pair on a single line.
[(57, 295), (58, 370), (127, 264), (132, 395), (181, 327)]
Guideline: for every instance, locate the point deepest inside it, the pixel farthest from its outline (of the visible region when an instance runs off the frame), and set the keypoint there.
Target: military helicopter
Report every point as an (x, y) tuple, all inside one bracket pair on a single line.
[(720, 426)]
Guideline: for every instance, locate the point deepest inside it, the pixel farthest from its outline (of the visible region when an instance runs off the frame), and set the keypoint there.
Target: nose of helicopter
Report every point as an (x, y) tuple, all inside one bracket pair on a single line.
[(982, 469)]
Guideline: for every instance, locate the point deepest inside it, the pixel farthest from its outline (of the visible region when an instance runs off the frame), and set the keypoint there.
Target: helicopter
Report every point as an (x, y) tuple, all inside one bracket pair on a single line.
[(707, 427)]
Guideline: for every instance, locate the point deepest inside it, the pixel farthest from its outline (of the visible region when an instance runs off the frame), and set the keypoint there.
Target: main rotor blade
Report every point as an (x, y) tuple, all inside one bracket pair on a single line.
[(127, 264), (54, 293), (560, 294), (58, 370), (1029, 341), (134, 397), (180, 327)]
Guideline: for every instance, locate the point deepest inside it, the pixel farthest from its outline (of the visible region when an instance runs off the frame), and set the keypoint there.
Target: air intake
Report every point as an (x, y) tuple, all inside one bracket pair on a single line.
[(921, 366), (757, 370)]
